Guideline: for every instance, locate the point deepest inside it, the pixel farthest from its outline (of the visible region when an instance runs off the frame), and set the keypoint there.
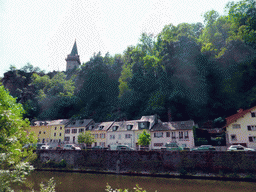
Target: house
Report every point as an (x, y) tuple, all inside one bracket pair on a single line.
[(127, 132), (180, 132), (121, 133), (99, 131), (74, 127), (145, 123), (240, 128), (57, 128), (41, 130)]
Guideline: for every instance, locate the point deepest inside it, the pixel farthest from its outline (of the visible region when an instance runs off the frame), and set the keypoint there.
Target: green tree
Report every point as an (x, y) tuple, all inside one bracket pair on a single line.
[(144, 139), (14, 165), (86, 138)]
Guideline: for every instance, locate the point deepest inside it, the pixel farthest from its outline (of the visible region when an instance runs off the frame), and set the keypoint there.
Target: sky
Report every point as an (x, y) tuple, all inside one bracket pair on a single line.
[(43, 32)]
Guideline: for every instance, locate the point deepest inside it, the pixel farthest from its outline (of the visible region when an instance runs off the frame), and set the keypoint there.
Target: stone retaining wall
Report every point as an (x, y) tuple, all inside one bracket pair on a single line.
[(155, 161)]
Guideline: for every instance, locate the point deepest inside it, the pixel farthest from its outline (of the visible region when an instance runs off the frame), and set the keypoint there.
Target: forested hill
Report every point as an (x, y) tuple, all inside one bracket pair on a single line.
[(189, 71)]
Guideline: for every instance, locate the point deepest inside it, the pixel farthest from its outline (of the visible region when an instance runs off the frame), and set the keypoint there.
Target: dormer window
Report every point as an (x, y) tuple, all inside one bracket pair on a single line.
[(73, 123), (101, 127), (253, 114), (115, 128), (81, 122), (91, 127), (144, 125), (129, 127)]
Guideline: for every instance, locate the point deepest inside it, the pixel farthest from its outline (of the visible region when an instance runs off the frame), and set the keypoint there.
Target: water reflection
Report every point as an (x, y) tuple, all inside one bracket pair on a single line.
[(97, 182)]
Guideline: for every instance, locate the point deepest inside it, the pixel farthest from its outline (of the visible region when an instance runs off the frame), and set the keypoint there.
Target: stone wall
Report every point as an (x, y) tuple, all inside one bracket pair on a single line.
[(154, 161)]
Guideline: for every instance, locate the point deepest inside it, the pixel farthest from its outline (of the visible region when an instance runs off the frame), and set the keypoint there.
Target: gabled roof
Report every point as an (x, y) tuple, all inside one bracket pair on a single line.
[(105, 126), (59, 122), (174, 125), (122, 125), (238, 115), (79, 123), (74, 50)]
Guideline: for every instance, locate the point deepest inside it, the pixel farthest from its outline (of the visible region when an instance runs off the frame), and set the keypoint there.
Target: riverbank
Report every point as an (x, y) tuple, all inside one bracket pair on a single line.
[(201, 176)]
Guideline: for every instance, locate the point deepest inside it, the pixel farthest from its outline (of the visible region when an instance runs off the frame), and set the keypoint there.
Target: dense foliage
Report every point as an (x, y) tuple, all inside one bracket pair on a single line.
[(189, 71)]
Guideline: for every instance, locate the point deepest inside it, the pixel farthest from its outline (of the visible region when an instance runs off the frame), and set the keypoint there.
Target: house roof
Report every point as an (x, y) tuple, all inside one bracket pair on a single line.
[(59, 122), (174, 125), (40, 123), (240, 113), (79, 123), (122, 125), (105, 125)]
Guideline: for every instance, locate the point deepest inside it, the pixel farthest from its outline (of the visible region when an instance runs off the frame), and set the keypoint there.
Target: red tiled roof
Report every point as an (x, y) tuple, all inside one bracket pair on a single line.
[(238, 115)]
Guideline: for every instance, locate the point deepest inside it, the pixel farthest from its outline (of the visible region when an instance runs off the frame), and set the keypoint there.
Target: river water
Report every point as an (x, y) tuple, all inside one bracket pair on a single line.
[(76, 182)]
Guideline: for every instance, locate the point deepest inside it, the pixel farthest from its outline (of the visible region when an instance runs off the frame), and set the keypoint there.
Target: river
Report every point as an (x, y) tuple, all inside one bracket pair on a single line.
[(76, 182)]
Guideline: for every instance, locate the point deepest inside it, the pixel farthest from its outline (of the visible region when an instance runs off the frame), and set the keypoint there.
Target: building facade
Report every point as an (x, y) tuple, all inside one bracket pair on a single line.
[(241, 128)]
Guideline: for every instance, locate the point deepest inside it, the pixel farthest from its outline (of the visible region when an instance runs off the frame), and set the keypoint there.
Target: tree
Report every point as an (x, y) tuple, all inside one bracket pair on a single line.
[(86, 137), (144, 138), (14, 134)]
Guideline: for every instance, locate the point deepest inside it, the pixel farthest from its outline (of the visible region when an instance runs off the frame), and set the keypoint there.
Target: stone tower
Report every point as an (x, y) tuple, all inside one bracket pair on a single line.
[(73, 59)]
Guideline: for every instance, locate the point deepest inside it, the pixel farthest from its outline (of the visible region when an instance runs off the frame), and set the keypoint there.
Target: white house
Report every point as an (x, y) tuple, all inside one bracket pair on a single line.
[(180, 132)]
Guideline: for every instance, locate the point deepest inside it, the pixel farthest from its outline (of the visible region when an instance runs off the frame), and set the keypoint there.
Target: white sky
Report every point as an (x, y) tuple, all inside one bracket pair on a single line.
[(43, 32)]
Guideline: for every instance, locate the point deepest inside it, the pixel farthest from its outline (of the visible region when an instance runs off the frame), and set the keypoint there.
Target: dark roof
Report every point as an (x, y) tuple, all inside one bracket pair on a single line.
[(174, 125), (74, 50), (79, 123)]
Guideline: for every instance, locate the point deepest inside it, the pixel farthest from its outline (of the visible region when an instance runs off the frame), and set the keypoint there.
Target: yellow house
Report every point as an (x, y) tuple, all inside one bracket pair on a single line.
[(42, 131), (241, 128), (57, 128), (99, 130)]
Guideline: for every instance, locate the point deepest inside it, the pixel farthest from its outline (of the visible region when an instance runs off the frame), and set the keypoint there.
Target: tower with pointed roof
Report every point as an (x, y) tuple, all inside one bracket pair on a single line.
[(73, 59)]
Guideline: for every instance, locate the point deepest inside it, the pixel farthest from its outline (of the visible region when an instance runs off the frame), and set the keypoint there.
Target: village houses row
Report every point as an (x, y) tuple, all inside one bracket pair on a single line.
[(113, 133), (240, 128)]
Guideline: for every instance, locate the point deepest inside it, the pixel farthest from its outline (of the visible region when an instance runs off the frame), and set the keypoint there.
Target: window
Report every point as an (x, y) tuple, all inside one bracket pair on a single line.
[(186, 134), (74, 130), (102, 144), (44, 132), (128, 136), (173, 135), (50, 140), (129, 127), (96, 136), (251, 127), (112, 136), (60, 134), (167, 134), (55, 128), (115, 128), (60, 128), (39, 132), (81, 122), (158, 144), (91, 127), (253, 114), (66, 138), (54, 134), (101, 127), (102, 135), (59, 140), (158, 134), (43, 141), (236, 126), (73, 123), (119, 136), (252, 139), (67, 131), (233, 138), (180, 135), (81, 130)]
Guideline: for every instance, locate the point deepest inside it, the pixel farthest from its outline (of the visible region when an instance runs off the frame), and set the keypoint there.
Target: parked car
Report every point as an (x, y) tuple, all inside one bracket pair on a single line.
[(71, 147), (45, 147), (204, 148), (99, 148), (124, 148), (171, 147), (239, 148)]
